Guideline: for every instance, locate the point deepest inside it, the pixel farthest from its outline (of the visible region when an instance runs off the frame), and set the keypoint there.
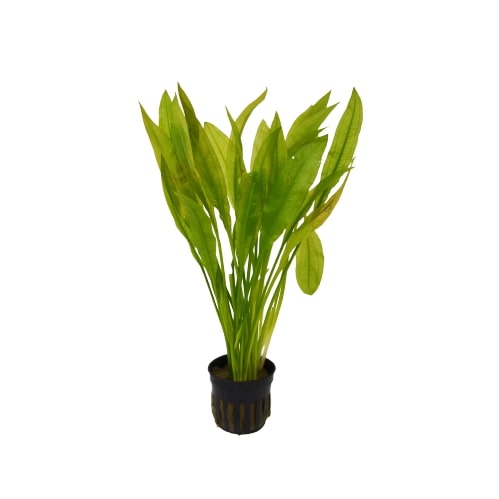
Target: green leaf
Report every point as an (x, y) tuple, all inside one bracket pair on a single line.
[(160, 141), (163, 113), (290, 187), (181, 177), (278, 199), (172, 199), (322, 212), (235, 162), (311, 223), (309, 263), (219, 141), (213, 177), (220, 144), (340, 155), (223, 299), (306, 127), (271, 152), (179, 134), (207, 164), (173, 123), (246, 113), (262, 134), (175, 179), (248, 214), (199, 232)]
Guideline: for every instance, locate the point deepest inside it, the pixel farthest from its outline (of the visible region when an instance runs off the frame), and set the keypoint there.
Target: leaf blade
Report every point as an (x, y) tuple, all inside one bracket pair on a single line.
[(248, 215), (290, 188), (200, 234), (306, 127), (340, 155), (248, 110), (309, 263), (206, 163)]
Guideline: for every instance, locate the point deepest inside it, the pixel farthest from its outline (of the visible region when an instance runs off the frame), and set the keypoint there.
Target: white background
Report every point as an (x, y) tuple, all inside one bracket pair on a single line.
[(387, 379)]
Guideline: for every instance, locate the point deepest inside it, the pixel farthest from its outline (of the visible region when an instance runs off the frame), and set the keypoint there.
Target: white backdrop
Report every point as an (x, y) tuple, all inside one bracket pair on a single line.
[(387, 378)]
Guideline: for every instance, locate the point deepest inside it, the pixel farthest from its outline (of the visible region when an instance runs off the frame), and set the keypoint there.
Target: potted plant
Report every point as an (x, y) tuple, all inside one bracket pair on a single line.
[(246, 223)]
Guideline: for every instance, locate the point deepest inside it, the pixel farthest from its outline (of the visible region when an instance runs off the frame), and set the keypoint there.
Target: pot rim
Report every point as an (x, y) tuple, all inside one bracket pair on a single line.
[(221, 362)]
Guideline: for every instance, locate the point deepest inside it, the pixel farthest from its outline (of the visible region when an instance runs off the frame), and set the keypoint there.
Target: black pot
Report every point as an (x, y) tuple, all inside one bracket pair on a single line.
[(240, 407)]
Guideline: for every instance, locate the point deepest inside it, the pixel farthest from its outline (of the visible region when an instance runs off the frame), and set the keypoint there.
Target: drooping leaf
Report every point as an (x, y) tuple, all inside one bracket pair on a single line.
[(311, 223), (322, 190), (309, 263), (320, 214)]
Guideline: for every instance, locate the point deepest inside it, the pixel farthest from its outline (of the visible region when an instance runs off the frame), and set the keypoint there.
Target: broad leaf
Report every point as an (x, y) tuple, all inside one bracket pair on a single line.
[(290, 187), (309, 263)]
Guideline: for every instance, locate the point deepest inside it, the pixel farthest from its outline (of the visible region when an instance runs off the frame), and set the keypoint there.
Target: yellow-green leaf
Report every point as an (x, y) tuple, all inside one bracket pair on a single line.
[(262, 133), (246, 113), (219, 141), (249, 212), (340, 155), (200, 234), (206, 163), (306, 127), (291, 183), (309, 263)]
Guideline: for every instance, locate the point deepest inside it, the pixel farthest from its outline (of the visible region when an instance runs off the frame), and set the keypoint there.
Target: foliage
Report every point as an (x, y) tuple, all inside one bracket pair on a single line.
[(245, 225)]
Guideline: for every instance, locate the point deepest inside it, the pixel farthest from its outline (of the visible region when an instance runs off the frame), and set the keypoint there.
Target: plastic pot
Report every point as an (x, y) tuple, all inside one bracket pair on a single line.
[(240, 407)]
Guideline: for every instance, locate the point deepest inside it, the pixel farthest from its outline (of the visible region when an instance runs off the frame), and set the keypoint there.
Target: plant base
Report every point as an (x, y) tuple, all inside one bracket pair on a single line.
[(240, 407)]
